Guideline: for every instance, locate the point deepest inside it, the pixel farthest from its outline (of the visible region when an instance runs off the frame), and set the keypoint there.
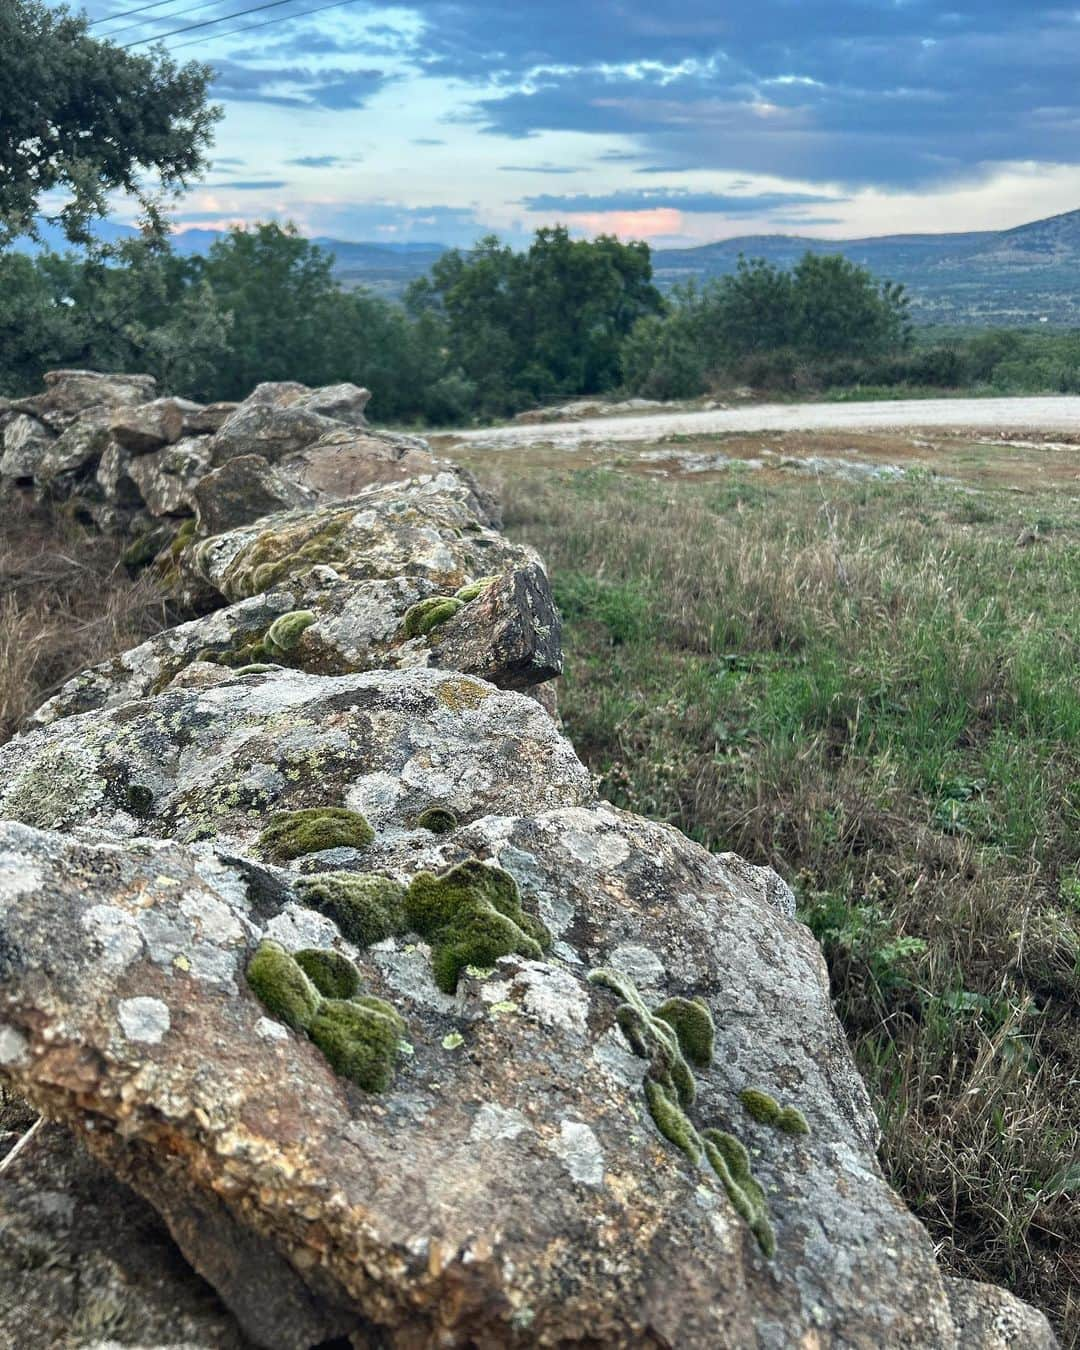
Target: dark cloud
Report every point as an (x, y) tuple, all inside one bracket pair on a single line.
[(707, 203), (296, 86)]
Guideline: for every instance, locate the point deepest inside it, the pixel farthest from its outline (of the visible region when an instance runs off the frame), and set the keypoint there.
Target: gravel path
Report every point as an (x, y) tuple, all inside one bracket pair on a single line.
[(1060, 414)]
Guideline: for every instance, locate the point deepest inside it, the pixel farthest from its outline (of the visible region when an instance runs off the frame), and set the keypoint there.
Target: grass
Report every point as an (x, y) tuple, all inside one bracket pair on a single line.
[(874, 689), (66, 603)]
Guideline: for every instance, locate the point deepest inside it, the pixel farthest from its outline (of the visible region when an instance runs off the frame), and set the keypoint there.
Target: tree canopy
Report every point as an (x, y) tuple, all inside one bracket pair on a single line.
[(83, 118)]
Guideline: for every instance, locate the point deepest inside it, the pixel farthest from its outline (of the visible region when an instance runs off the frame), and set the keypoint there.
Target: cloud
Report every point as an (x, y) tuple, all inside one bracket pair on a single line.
[(539, 168), (707, 203), (296, 86), (249, 185), (317, 161)]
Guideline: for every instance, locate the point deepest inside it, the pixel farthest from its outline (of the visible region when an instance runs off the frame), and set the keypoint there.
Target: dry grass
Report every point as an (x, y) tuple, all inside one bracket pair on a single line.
[(66, 602), (874, 690)]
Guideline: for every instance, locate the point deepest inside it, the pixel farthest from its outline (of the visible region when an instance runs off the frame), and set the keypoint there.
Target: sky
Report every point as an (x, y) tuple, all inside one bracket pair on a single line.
[(440, 121)]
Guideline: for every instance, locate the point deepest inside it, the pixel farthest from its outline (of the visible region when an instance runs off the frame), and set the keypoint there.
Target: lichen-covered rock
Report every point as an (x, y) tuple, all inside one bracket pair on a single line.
[(266, 429), (78, 447), (343, 402), (166, 479), (244, 489), (509, 1187), (509, 634), (70, 394), (218, 762), (344, 462), (26, 441), (427, 528), (148, 426)]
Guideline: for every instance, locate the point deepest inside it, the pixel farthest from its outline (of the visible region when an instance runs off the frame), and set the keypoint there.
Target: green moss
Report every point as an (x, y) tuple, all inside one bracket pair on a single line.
[(360, 1039), (792, 1121), (767, 1110), (473, 589), (256, 668), (426, 615), (142, 549), (694, 1027), (471, 915), (437, 819), (760, 1105), (285, 551), (286, 631), (366, 908), (291, 834), (332, 974), (282, 986), (730, 1161), (180, 540), (672, 1121), (650, 1036)]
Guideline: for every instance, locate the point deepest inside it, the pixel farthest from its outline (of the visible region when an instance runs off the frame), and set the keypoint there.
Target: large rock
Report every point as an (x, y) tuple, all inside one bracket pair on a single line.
[(509, 634), (79, 447), (510, 1188), (342, 463), (70, 394), (428, 528), (167, 478), (26, 442), (149, 426), (268, 430), (242, 490)]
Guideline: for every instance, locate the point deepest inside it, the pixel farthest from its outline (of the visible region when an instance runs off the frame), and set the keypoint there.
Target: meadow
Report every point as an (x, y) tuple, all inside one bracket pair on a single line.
[(874, 689)]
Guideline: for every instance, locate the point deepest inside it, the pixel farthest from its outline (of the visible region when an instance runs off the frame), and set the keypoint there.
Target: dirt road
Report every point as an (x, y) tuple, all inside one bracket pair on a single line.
[(1060, 414)]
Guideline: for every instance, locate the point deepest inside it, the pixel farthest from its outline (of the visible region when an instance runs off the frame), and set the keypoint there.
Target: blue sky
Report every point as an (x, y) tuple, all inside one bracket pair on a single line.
[(679, 124)]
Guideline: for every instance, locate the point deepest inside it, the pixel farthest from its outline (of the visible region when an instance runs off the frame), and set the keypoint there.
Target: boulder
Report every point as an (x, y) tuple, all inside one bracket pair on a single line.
[(509, 634), (242, 490), (511, 1185), (167, 478), (26, 442), (427, 528), (341, 463), (70, 394), (204, 421), (264, 428), (148, 426), (77, 448), (343, 402), (113, 476)]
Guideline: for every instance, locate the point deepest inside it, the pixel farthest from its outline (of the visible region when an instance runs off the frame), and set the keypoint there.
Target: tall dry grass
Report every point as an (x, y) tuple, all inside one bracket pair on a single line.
[(66, 602)]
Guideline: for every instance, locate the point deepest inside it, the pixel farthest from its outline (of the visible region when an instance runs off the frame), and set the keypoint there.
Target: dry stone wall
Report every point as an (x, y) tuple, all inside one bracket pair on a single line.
[(315, 934)]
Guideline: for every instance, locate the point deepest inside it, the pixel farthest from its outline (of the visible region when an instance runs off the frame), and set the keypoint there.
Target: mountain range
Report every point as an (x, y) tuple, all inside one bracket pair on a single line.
[(1017, 277)]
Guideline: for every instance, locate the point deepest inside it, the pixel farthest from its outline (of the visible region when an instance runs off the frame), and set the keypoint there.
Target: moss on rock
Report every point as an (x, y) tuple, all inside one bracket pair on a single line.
[(426, 615), (360, 1038), (437, 819), (286, 631), (766, 1110), (474, 589), (292, 834), (282, 986), (693, 1025), (731, 1162), (366, 908), (332, 974), (471, 915)]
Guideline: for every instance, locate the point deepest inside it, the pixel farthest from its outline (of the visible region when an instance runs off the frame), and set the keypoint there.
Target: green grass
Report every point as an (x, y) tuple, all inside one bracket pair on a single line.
[(874, 689)]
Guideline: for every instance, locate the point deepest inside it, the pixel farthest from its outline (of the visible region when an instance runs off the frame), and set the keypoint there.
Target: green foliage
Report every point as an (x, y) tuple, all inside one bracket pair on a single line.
[(426, 615), (366, 907), (291, 834), (360, 1038), (332, 974), (471, 915), (546, 323), (282, 986), (84, 119)]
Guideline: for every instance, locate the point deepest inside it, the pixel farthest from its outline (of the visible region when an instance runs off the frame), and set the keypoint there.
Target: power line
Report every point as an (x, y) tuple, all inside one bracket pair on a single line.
[(127, 12), (176, 14), (266, 23), (206, 23)]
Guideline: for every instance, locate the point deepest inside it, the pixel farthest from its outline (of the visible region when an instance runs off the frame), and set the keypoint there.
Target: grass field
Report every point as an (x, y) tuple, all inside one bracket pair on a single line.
[(876, 689)]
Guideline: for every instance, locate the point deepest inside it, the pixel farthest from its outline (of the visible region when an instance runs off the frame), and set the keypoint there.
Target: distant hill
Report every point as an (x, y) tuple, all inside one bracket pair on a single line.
[(1004, 277)]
